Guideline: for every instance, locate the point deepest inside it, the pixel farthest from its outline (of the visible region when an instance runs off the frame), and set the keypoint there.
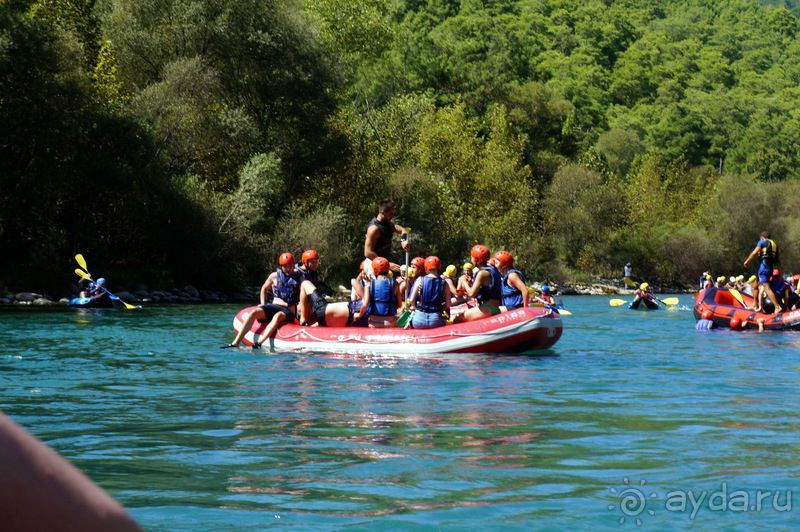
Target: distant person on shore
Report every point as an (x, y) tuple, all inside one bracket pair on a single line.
[(378, 240), (769, 258), (284, 284), (627, 276)]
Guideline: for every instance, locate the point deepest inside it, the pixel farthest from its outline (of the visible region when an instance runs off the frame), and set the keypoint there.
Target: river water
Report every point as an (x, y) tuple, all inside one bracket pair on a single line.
[(633, 418)]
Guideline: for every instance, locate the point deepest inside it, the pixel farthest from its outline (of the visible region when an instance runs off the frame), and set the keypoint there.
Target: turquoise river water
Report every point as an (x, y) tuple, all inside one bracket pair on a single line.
[(632, 419)]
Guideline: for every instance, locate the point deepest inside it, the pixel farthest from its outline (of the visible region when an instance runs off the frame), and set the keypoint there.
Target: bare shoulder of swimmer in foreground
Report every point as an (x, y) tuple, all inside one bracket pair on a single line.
[(39, 490)]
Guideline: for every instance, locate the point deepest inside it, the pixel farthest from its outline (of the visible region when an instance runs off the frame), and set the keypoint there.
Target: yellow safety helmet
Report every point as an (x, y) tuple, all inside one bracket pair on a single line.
[(721, 279), (468, 266), (708, 276), (644, 286), (739, 278), (752, 279), (450, 271)]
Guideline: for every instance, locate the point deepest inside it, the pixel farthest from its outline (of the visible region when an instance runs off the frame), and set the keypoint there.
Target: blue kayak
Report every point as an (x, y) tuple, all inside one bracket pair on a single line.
[(643, 304), (88, 302)]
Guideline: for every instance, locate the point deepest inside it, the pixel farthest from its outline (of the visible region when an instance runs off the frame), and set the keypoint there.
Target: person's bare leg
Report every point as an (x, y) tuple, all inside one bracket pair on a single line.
[(337, 314), (771, 295), (303, 307), (257, 314), (276, 322)]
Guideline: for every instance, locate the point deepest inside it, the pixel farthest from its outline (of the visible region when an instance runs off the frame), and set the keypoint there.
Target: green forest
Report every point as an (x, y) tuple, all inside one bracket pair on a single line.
[(191, 141)]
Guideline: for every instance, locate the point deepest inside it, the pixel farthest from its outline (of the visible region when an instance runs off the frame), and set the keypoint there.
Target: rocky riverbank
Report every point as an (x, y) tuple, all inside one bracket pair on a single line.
[(248, 295)]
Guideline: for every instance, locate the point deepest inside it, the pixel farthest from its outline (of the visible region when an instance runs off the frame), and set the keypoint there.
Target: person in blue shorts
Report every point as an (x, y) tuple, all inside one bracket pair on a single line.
[(767, 251)]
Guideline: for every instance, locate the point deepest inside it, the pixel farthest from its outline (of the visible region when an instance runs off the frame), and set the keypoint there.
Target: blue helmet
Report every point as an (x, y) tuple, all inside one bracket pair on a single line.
[(545, 288), (91, 284), (101, 281)]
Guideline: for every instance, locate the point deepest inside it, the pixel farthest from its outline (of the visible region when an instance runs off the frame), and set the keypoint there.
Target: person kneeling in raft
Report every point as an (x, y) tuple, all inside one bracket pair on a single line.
[(486, 286), (430, 297), (285, 286), (382, 297)]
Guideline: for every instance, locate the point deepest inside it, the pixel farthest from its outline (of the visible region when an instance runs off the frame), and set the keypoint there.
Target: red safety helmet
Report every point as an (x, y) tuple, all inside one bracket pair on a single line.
[(419, 262), (432, 263), (479, 253), (309, 255), (380, 265), (504, 259), (286, 258)]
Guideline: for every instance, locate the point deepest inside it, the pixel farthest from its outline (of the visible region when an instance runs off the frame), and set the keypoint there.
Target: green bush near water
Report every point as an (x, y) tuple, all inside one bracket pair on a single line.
[(191, 141)]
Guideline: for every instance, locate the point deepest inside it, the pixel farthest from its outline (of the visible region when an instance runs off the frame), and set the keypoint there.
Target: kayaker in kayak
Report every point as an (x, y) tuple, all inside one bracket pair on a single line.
[(486, 286), (378, 240), (767, 251), (514, 291), (546, 297), (644, 292), (430, 297), (284, 284), (381, 297)]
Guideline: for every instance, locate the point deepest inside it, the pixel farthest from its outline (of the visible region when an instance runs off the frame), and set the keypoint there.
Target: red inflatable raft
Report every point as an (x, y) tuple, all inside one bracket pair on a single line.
[(720, 306), (515, 331)]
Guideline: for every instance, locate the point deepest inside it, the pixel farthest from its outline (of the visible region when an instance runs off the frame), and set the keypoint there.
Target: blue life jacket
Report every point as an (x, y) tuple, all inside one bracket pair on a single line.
[(288, 287), (494, 289), (768, 253), (430, 294), (512, 297), (382, 300)]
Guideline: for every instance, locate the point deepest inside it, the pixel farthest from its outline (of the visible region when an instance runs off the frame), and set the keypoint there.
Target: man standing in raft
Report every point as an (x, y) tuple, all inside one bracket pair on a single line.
[(378, 241), (767, 251)]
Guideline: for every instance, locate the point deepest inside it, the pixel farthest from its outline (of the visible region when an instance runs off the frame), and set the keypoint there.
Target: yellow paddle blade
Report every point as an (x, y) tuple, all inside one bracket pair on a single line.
[(671, 301), (128, 305), (737, 296), (617, 302), (81, 261), (82, 274), (564, 312)]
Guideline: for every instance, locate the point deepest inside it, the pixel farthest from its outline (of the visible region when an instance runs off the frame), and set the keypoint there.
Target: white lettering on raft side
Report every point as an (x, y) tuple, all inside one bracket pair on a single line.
[(506, 317), (381, 338), (793, 315)]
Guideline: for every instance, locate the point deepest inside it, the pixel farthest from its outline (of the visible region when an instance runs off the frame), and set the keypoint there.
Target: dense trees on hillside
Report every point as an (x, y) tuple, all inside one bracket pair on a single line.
[(192, 140)]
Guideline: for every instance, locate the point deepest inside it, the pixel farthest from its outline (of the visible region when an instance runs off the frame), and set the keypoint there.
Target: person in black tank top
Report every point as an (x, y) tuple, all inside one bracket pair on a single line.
[(378, 241)]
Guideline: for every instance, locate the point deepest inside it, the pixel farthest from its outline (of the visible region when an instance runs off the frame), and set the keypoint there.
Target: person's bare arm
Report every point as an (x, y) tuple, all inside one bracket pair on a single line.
[(517, 283), (267, 286), (751, 256), (39, 490), (369, 242), (477, 282)]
